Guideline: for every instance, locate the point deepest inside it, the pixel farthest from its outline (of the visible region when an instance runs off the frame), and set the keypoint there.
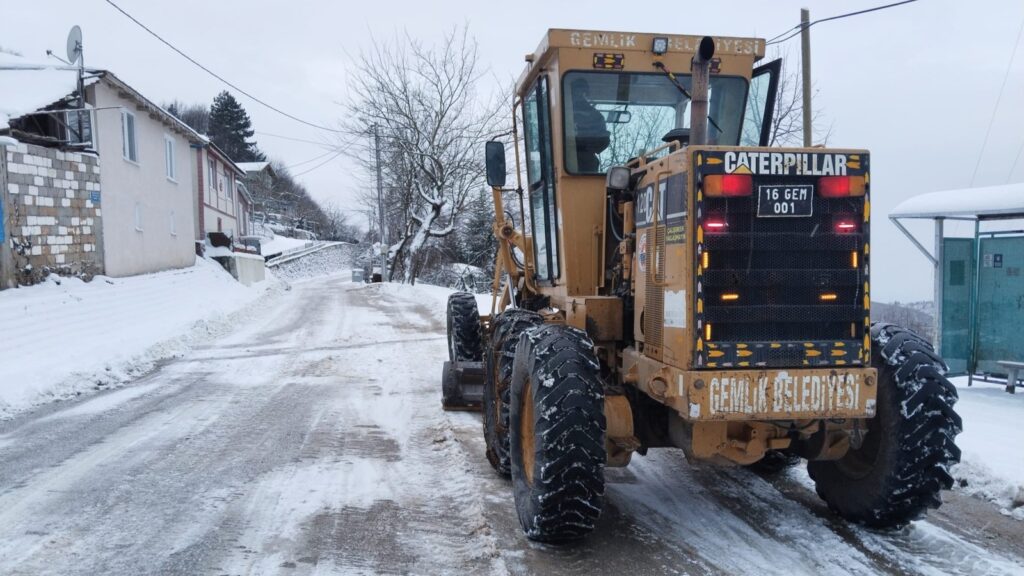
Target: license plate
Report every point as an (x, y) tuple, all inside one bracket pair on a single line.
[(783, 201)]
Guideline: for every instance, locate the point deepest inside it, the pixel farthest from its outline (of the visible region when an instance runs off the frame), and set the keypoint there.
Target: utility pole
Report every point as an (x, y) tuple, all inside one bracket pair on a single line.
[(805, 54), (380, 205)]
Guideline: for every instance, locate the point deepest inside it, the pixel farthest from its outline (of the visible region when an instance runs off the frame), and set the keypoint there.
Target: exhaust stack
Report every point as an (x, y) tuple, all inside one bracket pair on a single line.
[(701, 73)]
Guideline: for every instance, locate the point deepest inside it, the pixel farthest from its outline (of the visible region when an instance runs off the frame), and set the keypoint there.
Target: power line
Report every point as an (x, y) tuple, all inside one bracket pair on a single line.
[(217, 76), (297, 164), (293, 139), (998, 98), (799, 27), (336, 154)]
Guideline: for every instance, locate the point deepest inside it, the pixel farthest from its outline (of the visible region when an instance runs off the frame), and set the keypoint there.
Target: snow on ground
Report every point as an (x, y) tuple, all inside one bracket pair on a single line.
[(279, 244), (330, 260), (66, 336), (992, 464)]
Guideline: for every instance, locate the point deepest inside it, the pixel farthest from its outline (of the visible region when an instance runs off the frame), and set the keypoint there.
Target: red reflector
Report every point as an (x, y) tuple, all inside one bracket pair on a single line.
[(715, 225), (728, 185), (840, 186), (845, 226)]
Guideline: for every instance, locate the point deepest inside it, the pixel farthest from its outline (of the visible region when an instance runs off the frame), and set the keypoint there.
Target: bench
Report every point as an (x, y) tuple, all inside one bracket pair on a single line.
[(1012, 368)]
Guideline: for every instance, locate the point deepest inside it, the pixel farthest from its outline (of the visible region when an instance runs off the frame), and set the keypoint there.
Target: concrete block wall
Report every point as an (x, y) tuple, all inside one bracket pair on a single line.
[(53, 213)]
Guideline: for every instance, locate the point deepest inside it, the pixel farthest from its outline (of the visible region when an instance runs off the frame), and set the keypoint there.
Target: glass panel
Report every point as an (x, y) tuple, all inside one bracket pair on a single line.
[(757, 101), (531, 129), (611, 117), (540, 175)]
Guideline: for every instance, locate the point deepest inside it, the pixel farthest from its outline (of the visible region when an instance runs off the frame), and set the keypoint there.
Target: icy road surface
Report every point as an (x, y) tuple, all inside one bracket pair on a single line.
[(311, 441)]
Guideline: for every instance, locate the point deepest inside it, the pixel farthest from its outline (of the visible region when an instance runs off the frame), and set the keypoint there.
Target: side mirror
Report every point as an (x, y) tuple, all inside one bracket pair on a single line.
[(495, 155)]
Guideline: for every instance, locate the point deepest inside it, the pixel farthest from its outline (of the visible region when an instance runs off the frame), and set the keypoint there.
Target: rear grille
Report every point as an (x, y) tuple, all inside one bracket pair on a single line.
[(783, 291)]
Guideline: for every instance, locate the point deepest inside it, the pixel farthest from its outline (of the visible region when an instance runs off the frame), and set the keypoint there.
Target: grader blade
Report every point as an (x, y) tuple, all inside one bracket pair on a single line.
[(462, 386)]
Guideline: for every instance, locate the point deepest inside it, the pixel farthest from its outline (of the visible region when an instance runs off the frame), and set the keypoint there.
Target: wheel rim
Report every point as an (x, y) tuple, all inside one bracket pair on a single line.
[(526, 437)]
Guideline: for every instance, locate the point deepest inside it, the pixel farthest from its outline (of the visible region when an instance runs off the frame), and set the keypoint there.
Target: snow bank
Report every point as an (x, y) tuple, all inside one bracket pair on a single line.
[(325, 262), (280, 244), (992, 464), (61, 339)]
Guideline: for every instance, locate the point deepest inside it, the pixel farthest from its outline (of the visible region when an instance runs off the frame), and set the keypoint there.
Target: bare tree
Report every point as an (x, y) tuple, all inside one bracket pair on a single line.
[(423, 104), (787, 121), (196, 116)]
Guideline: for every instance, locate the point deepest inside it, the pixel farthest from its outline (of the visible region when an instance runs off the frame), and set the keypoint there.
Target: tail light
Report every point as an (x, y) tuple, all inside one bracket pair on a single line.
[(715, 225), (841, 186), (845, 225), (729, 185)]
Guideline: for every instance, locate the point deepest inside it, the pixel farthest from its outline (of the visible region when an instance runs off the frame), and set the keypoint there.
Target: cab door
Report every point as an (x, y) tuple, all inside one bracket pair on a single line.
[(757, 120)]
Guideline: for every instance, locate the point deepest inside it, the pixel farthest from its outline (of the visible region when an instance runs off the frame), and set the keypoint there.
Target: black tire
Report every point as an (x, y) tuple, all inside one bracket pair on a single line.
[(903, 464), (774, 462), (465, 338), (557, 391), (498, 360)]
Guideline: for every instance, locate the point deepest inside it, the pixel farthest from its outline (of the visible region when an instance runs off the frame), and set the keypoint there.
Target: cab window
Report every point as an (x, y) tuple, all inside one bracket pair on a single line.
[(540, 176)]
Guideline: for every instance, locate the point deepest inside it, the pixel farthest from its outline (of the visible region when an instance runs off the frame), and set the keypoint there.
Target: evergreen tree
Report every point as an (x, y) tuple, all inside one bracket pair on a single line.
[(478, 245), (231, 128)]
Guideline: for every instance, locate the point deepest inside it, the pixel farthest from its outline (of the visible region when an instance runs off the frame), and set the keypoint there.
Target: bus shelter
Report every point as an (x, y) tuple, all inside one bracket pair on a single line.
[(979, 283)]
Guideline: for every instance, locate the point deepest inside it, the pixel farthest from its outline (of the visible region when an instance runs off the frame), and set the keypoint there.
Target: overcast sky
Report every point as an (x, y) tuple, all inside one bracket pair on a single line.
[(916, 84)]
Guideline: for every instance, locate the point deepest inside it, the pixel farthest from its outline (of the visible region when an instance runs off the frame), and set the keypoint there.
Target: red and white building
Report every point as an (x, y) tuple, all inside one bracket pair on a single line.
[(222, 203)]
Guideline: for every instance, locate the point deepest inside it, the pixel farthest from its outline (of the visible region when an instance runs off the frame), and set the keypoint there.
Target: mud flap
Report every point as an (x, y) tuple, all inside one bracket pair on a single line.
[(462, 386)]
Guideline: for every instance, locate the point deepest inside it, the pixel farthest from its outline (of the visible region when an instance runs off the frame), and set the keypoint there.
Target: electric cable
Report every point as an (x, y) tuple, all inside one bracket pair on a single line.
[(799, 27), (217, 76), (999, 98)]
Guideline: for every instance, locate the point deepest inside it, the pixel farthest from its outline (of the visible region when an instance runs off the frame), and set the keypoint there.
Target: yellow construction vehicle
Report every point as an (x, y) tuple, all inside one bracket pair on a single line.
[(682, 284)]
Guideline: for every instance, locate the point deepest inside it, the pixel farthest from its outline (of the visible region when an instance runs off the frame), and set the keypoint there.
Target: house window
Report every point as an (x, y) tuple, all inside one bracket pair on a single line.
[(71, 120), (174, 225), (138, 217), (169, 158), (128, 135), (212, 182)]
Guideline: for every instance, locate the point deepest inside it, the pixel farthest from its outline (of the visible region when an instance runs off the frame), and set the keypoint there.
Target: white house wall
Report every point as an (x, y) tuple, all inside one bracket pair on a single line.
[(155, 244)]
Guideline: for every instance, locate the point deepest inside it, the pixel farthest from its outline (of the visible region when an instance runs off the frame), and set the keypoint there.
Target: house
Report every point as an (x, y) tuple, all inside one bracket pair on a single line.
[(112, 178), (147, 192), (259, 182), (221, 199)]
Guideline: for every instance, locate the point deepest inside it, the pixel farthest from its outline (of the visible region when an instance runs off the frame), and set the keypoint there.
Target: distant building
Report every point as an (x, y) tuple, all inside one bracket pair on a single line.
[(259, 181)]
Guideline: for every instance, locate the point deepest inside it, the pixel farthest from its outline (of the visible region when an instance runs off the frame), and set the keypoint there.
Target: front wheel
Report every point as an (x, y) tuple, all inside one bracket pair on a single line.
[(557, 434), (903, 463), (465, 336), (498, 360)]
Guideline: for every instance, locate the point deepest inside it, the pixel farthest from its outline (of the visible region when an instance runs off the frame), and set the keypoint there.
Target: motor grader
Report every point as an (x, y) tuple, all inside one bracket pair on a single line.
[(682, 284)]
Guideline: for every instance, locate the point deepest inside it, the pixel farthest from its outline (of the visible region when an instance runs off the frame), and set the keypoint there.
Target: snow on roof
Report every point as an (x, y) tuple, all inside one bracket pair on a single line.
[(252, 166), (989, 201), (27, 86)]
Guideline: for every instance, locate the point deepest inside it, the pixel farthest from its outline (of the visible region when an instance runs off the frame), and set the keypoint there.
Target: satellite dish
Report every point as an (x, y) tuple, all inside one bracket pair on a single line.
[(75, 45)]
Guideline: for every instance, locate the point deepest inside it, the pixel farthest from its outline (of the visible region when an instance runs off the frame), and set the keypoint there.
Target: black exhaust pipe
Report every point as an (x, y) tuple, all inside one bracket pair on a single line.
[(701, 75)]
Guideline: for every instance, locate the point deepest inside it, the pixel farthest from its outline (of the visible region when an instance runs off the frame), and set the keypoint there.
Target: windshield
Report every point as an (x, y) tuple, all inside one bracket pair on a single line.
[(612, 117)]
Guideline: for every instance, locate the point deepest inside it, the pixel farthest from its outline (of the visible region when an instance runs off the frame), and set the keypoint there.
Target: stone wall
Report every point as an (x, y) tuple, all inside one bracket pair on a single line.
[(53, 213)]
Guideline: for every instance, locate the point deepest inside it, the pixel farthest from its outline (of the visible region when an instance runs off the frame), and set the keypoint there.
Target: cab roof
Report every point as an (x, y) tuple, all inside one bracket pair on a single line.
[(561, 38)]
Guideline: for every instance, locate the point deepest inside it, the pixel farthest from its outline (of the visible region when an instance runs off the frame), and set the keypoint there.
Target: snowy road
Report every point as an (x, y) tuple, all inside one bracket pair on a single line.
[(310, 440)]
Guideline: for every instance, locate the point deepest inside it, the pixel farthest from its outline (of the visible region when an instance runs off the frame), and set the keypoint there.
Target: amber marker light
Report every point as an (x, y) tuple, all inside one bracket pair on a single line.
[(828, 297), (730, 297)]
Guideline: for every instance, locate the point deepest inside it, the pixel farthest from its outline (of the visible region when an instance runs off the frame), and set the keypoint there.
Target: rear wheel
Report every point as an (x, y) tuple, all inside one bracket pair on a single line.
[(557, 434), (465, 339), (498, 373), (903, 464)]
